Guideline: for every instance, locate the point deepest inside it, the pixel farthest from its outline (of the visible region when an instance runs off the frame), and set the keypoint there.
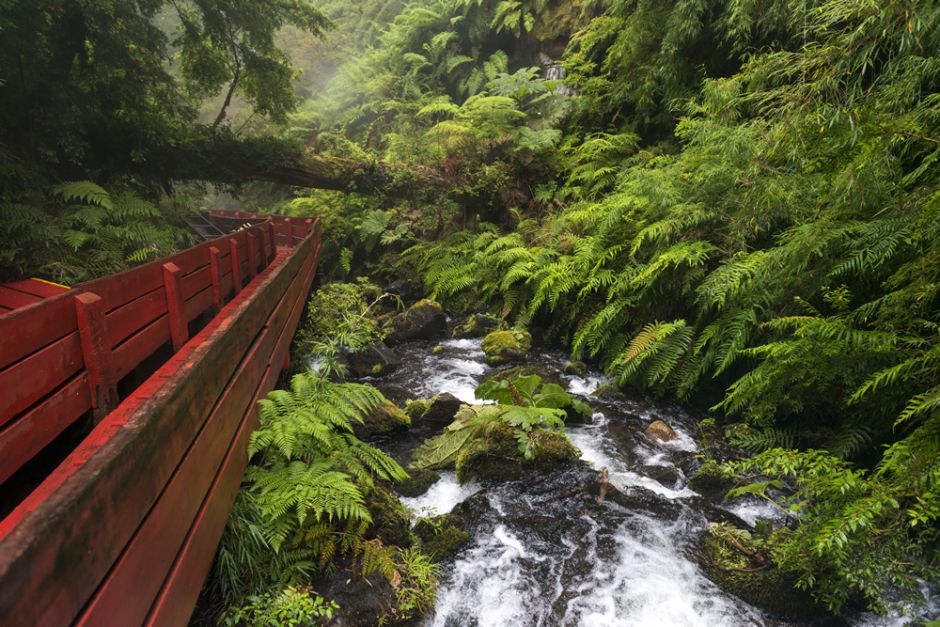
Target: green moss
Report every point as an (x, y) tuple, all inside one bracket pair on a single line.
[(391, 521), (504, 346), (416, 408), (710, 479), (418, 482), (738, 563), (438, 537), (385, 418)]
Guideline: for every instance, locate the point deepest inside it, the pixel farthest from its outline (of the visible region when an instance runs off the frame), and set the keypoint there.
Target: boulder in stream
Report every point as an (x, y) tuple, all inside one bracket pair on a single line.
[(660, 431), (383, 419), (425, 320), (443, 408), (374, 360), (505, 346), (477, 325)]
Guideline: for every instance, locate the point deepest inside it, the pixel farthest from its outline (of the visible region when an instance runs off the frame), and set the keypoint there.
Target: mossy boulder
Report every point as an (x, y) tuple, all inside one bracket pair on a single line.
[(477, 325), (502, 347), (737, 562), (442, 409), (415, 408), (425, 320), (609, 392), (496, 456), (385, 418), (418, 482), (546, 374), (391, 521), (373, 360), (575, 368), (709, 480), (439, 537)]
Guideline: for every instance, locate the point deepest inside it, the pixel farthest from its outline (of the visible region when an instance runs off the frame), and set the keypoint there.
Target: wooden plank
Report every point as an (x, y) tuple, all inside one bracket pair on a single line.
[(25, 331), (215, 273), (196, 281), (252, 241), (14, 299), (59, 564), (27, 381), (127, 593), (37, 287), (96, 353), (179, 595), (135, 315), (141, 345), (30, 433), (236, 265), (175, 305), (199, 304), (119, 289)]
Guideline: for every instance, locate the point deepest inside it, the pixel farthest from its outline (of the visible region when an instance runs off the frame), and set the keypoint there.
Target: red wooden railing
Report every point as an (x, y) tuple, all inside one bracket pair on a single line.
[(124, 529)]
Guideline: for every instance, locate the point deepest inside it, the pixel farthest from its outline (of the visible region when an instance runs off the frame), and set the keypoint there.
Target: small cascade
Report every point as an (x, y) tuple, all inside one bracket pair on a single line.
[(552, 70)]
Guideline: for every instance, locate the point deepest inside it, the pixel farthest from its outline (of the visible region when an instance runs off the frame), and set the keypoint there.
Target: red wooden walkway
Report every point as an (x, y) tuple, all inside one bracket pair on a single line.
[(125, 407)]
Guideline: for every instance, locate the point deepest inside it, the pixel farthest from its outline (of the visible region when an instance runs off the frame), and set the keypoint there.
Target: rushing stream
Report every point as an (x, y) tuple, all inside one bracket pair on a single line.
[(542, 551)]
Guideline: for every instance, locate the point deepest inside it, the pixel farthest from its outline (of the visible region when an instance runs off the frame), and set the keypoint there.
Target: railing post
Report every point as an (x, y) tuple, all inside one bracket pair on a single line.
[(215, 271), (251, 240), (236, 265), (96, 351), (175, 306), (272, 240), (309, 229), (263, 239), (289, 228)]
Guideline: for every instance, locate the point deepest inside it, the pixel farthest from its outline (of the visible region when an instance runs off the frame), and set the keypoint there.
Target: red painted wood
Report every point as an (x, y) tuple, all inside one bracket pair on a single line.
[(25, 331), (175, 305), (141, 345), (135, 315), (252, 254), (196, 281), (36, 287), (27, 381), (105, 478), (215, 272), (119, 289), (236, 265), (96, 351), (34, 430), (179, 594), (15, 299), (127, 593), (199, 304)]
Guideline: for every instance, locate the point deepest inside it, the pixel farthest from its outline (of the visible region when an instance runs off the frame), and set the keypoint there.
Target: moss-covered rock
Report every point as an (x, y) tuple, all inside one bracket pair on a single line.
[(373, 360), (609, 392), (496, 455), (659, 431), (576, 368), (439, 537), (506, 346), (383, 419), (737, 562), (425, 320), (709, 480), (415, 408), (546, 374), (477, 325), (442, 409), (418, 482), (391, 521)]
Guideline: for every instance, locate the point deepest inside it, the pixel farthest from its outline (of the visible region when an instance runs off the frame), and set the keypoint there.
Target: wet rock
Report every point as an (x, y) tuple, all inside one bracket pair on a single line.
[(361, 599), (415, 408), (545, 373), (659, 430), (666, 475), (373, 360), (507, 346), (404, 289), (391, 521), (737, 562), (477, 325), (709, 480), (418, 482), (609, 392), (439, 537), (442, 409), (425, 320), (496, 455), (383, 419), (576, 368)]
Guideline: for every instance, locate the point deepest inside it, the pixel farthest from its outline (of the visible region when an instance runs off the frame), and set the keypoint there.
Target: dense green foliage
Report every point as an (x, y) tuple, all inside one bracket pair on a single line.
[(733, 203)]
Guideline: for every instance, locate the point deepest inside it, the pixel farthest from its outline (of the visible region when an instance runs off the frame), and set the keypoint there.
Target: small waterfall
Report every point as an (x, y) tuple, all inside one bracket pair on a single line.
[(555, 71)]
